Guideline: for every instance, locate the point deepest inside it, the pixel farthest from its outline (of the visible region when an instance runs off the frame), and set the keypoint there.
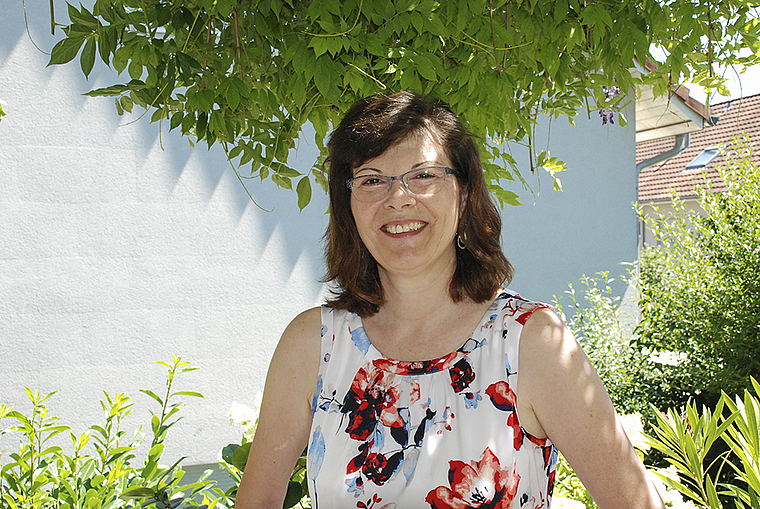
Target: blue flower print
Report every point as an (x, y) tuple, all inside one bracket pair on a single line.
[(317, 393), (316, 454), (471, 399), (359, 336), (356, 486)]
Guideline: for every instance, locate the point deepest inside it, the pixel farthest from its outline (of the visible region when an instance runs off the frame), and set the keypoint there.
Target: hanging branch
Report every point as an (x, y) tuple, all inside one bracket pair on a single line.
[(506, 46), (493, 37), (52, 18), (237, 42)]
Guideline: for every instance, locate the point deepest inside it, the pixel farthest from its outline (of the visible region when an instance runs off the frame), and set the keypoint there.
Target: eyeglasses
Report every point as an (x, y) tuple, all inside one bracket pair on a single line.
[(420, 182)]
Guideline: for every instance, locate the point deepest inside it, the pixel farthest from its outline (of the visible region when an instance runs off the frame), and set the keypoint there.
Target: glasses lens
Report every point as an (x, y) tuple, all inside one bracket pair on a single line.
[(370, 188), (425, 180)]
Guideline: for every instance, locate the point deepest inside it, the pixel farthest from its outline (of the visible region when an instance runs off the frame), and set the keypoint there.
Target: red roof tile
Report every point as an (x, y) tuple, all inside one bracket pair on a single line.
[(735, 117)]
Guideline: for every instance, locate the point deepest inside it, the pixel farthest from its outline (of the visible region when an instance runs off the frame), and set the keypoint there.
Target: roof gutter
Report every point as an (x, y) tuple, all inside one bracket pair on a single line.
[(681, 144)]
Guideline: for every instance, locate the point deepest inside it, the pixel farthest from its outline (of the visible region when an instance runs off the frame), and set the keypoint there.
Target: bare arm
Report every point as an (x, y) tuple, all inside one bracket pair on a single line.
[(285, 418), (561, 396)]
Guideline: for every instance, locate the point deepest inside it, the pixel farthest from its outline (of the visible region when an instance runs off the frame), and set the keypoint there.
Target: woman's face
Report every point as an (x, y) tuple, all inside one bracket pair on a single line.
[(408, 234)]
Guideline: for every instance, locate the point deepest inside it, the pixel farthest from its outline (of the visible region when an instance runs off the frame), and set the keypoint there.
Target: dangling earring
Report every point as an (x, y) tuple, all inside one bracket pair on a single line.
[(461, 239)]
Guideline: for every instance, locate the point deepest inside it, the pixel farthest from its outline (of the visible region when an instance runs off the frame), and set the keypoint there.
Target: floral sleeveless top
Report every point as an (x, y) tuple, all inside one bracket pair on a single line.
[(442, 433)]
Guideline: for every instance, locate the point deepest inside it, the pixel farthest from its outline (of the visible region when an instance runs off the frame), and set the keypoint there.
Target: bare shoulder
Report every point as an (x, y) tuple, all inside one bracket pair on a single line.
[(547, 354), (297, 353), (305, 328), (548, 344), (544, 328)]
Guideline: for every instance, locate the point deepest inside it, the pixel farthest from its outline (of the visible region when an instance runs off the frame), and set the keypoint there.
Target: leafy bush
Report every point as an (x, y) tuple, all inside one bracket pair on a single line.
[(99, 473), (700, 290), (686, 439)]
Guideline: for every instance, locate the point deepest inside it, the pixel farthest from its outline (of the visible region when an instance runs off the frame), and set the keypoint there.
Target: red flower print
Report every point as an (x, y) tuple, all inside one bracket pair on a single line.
[(379, 469), (517, 431), (372, 398), (357, 461), (419, 367), (502, 396), (481, 484), (524, 308), (461, 375)]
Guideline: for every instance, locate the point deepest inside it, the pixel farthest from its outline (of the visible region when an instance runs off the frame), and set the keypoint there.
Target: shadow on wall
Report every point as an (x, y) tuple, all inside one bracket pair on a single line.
[(45, 100)]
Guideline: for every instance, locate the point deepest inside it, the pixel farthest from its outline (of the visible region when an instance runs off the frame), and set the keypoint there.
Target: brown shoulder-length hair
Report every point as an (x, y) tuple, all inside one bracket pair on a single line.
[(369, 128)]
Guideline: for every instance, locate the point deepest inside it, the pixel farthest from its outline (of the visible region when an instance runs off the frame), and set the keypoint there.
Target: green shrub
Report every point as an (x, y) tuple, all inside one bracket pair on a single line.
[(700, 289), (605, 331), (99, 472)]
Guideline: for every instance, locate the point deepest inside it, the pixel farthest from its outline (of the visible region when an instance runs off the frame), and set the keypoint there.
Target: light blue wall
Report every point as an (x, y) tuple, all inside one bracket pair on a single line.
[(590, 226)]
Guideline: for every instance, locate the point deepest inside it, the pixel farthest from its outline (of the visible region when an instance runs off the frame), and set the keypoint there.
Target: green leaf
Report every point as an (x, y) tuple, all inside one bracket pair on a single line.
[(228, 451), (137, 493), (189, 393), (303, 190), (293, 495), (320, 45), (425, 68), (106, 43), (176, 120), (153, 395), (240, 456), (281, 181), (65, 50), (712, 495), (113, 90), (87, 60), (126, 103), (323, 80), (83, 17)]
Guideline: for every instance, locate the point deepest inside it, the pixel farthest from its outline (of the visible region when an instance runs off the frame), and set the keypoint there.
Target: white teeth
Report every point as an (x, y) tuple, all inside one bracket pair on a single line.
[(403, 228)]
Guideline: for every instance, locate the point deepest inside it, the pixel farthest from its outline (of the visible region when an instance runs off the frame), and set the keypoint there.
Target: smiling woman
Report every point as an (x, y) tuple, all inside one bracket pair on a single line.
[(405, 384)]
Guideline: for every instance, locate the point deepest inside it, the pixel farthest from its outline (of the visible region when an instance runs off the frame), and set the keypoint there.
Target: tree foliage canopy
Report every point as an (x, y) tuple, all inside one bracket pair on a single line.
[(250, 73)]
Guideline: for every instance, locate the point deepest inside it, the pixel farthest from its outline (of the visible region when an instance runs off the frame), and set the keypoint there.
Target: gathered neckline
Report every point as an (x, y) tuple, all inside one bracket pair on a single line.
[(443, 363)]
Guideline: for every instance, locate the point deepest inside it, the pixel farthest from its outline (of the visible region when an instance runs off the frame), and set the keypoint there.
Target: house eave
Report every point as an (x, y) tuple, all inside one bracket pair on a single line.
[(667, 116)]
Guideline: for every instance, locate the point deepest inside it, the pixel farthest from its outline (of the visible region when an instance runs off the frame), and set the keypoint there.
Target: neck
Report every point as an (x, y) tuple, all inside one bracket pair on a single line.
[(419, 320), (415, 296)]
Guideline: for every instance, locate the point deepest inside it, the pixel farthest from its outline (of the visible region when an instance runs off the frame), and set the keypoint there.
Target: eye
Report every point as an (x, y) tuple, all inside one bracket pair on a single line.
[(424, 174), (371, 181)]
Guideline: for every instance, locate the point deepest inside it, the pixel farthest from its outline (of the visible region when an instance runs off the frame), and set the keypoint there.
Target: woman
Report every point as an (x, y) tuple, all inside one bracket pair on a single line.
[(405, 386)]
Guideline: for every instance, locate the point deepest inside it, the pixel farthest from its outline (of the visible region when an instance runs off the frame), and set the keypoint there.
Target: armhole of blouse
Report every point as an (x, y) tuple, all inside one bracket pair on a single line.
[(538, 305), (327, 336)]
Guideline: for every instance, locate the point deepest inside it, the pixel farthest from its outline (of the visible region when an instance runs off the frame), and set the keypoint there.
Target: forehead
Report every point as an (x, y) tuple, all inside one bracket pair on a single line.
[(408, 153)]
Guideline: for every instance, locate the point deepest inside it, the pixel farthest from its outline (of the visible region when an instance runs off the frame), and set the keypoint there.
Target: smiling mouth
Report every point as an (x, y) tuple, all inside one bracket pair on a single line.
[(403, 228)]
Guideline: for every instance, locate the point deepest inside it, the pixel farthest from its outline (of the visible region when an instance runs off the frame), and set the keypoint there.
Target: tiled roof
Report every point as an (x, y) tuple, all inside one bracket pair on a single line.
[(735, 117)]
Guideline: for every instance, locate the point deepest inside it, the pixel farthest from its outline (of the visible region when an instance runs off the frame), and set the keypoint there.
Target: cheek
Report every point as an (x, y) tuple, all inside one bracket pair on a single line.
[(362, 217)]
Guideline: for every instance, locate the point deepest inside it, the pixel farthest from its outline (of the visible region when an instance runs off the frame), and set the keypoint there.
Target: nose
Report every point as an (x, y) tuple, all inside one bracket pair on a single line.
[(398, 194)]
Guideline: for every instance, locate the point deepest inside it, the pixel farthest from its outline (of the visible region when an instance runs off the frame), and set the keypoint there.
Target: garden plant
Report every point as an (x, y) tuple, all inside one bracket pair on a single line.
[(101, 470), (700, 289)]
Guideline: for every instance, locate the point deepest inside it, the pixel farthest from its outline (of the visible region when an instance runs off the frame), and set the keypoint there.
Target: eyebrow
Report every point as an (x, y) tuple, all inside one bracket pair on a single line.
[(414, 167)]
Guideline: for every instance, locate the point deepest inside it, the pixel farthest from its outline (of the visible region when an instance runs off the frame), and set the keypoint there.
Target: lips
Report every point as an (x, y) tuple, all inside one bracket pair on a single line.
[(403, 228)]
